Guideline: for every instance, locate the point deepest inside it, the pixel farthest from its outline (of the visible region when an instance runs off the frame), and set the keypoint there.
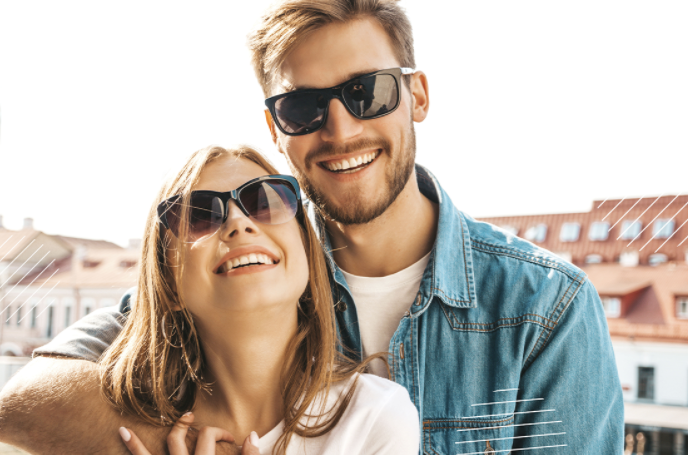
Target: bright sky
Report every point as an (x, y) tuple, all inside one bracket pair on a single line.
[(537, 106)]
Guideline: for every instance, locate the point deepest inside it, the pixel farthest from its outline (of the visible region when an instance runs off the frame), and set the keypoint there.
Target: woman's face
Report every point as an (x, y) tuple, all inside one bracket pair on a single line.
[(207, 289)]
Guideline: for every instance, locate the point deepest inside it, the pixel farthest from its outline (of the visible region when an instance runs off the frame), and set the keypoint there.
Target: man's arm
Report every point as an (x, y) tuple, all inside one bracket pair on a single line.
[(55, 406), (574, 371)]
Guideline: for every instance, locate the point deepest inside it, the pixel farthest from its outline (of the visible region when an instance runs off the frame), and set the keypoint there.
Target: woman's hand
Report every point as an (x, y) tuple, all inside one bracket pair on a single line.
[(176, 440)]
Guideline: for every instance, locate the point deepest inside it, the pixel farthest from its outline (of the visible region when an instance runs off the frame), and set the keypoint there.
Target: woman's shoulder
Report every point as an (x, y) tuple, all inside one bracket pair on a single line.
[(380, 418)]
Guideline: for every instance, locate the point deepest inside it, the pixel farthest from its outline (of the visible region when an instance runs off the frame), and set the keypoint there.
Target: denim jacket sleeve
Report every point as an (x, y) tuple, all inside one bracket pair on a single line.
[(572, 368)]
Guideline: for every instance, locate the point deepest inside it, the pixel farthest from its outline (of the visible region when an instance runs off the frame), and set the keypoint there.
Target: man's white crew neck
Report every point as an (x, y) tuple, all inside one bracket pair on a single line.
[(381, 302)]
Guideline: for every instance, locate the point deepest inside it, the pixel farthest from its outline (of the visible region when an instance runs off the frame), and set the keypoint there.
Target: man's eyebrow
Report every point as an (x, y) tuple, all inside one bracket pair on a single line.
[(289, 87)]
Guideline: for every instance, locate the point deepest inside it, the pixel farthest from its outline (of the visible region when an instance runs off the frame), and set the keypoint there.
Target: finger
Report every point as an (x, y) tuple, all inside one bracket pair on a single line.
[(208, 436), (176, 439), (251, 445), (132, 442)]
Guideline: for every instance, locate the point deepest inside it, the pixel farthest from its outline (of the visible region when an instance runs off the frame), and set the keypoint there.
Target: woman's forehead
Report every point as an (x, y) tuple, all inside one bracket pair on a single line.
[(228, 173)]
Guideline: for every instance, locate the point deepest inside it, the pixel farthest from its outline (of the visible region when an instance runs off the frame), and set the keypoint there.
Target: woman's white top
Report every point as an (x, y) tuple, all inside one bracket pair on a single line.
[(380, 419)]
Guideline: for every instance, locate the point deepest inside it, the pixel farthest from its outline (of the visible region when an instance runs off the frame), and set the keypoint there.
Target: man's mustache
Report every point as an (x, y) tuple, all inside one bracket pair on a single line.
[(330, 150)]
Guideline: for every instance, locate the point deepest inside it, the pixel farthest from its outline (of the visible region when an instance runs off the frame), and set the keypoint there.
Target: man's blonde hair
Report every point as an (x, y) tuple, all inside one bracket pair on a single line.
[(288, 22)]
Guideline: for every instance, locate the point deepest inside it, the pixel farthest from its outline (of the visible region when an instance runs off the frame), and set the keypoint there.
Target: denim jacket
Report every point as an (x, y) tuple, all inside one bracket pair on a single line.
[(506, 347)]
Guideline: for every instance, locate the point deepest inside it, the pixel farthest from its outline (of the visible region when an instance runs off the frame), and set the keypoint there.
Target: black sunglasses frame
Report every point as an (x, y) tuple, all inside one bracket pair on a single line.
[(338, 92), (233, 195)]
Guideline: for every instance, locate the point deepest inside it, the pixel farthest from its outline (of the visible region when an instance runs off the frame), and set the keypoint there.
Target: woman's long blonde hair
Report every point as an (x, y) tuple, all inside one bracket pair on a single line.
[(156, 371)]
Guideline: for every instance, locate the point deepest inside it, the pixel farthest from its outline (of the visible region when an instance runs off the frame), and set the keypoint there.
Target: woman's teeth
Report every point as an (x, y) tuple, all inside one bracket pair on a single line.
[(346, 166), (244, 261)]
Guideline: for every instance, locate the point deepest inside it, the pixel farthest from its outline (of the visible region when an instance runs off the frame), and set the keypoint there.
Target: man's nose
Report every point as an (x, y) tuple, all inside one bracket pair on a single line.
[(236, 222), (341, 126)]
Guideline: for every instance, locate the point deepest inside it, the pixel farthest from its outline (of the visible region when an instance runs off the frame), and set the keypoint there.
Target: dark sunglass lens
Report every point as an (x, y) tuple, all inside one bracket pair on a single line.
[(205, 215), (270, 201), (300, 112), (371, 96)]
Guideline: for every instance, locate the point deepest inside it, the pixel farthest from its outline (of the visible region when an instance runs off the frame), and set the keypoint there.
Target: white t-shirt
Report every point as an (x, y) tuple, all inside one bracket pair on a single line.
[(381, 302), (380, 419)]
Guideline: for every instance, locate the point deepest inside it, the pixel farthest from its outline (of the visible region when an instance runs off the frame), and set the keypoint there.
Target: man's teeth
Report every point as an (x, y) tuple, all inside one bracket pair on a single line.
[(344, 164), (248, 259)]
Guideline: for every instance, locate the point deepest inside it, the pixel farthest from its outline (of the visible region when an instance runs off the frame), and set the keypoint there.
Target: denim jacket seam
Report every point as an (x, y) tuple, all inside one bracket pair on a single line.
[(518, 254), (413, 370), (519, 320), (550, 331), (486, 422)]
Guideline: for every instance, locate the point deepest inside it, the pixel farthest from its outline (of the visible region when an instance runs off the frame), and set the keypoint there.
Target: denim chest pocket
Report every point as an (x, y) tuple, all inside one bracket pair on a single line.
[(463, 437)]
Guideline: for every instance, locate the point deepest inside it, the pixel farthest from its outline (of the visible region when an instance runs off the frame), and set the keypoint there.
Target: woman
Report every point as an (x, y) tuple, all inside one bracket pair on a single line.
[(234, 321)]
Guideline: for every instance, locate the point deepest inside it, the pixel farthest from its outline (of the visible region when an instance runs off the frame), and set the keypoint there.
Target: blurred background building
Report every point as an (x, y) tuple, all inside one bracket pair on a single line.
[(635, 252), (47, 282)]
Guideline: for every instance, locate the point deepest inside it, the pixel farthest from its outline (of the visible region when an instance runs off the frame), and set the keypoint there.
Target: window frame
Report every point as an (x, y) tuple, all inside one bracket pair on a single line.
[(566, 232), (606, 300), (596, 226), (624, 235)]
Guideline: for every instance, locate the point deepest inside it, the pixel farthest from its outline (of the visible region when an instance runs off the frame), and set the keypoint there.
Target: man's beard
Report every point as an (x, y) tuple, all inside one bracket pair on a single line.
[(356, 208)]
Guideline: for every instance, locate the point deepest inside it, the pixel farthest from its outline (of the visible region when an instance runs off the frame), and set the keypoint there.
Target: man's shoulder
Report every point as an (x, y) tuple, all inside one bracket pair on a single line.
[(516, 277), (497, 243)]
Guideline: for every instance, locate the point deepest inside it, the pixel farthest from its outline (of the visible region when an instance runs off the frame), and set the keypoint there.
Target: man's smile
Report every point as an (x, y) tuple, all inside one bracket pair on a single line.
[(349, 164)]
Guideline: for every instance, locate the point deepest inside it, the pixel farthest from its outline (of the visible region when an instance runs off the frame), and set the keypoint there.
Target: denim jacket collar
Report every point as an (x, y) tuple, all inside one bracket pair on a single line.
[(449, 274)]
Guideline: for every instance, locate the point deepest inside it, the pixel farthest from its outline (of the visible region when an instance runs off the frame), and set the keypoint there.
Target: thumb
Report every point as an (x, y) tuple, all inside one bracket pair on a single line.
[(251, 444)]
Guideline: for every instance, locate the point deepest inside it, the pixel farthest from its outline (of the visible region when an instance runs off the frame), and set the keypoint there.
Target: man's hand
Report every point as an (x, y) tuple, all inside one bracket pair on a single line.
[(55, 406), (205, 444)]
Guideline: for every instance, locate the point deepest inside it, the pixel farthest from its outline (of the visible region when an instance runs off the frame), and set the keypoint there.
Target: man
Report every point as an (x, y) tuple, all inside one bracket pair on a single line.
[(501, 345)]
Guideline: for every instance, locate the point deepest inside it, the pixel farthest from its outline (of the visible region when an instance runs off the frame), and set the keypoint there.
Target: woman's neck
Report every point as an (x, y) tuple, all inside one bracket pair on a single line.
[(244, 355)]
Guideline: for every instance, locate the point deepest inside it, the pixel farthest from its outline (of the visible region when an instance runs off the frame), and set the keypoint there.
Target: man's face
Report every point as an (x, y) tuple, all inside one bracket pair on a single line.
[(333, 54)]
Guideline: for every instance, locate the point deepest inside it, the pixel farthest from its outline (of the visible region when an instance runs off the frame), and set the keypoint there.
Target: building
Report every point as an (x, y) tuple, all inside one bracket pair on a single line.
[(635, 252), (50, 281)]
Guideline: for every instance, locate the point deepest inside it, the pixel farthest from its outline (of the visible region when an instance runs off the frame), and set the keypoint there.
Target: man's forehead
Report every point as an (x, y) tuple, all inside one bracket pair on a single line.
[(334, 54), (285, 84)]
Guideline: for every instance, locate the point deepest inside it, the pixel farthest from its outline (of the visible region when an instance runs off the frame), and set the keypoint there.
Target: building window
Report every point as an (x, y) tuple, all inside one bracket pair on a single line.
[(34, 316), (593, 259), (536, 233), (646, 383), (630, 229), (569, 232), (599, 230), (662, 229), (656, 259), (612, 306), (19, 315), (88, 304), (68, 316), (682, 307), (629, 258), (9, 312), (49, 332)]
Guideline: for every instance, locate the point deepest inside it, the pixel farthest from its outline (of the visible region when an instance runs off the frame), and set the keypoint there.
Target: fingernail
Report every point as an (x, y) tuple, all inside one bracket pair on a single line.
[(187, 414), (253, 439), (124, 433)]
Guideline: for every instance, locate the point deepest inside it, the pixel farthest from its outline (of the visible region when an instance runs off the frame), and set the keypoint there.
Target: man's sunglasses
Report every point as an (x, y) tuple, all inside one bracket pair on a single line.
[(366, 97), (271, 199)]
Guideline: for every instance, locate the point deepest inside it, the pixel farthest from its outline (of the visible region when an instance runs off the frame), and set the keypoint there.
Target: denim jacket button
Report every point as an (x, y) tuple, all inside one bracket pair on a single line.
[(401, 351), (488, 449), (341, 306), (418, 299)]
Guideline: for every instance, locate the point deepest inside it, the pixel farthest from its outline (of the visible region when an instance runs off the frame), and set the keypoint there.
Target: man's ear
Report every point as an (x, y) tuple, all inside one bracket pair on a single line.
[(420, 96), (271, 125)]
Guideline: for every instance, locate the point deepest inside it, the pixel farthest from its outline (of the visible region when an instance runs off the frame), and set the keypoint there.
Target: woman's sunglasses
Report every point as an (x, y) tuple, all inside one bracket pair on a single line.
[(271, 199), (366, 97)]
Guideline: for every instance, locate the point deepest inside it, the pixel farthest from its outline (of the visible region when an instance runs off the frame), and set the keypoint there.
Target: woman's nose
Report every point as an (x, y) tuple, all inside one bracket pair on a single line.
[(237, 222)]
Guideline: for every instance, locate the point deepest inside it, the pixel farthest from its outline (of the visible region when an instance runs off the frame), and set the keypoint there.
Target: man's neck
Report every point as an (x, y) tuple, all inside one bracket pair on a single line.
[(398, 238)]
